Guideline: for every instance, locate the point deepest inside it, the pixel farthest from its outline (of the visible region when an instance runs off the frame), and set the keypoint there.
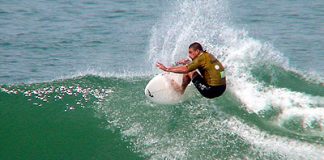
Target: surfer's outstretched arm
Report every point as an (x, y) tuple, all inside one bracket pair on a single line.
[(179, 69), (187, 76)]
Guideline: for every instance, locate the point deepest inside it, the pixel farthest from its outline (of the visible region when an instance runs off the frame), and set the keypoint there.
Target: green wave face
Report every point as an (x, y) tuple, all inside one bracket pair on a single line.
[(56, 120), (98, 117)]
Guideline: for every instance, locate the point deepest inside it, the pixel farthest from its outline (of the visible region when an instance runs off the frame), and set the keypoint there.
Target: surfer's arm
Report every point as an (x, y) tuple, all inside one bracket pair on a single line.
[(184, 61), (182, 69), (179, 69)]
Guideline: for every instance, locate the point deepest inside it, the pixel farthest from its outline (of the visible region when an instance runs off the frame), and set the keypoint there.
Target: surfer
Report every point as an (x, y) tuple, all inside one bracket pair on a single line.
[(204, 70)]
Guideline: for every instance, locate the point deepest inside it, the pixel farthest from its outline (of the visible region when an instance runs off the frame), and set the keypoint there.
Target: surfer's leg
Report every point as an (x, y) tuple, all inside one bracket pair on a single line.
[(181, 88), (176, 86), (186, 80), (192, 75)]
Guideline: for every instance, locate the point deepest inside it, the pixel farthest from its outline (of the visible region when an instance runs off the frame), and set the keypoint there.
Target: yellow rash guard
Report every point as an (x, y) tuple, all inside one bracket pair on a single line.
[(210, 68)]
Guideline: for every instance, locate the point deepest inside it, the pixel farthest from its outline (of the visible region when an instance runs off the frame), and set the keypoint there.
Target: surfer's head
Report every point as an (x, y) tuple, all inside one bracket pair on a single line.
[(195, 49)]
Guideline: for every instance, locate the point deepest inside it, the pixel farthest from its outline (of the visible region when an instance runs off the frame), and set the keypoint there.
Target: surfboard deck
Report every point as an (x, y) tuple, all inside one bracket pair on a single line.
[(160, 90)]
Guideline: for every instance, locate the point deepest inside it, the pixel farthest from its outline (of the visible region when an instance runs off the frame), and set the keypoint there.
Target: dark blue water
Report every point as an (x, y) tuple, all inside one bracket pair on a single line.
[(42, 40), (295, 28)]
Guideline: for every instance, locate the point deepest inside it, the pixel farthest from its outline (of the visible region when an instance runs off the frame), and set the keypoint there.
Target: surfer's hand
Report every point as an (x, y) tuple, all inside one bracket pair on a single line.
[(161, 66)]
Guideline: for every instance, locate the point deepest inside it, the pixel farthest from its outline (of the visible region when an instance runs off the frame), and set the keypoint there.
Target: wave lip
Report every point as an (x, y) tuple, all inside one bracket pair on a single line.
[(209, 22)]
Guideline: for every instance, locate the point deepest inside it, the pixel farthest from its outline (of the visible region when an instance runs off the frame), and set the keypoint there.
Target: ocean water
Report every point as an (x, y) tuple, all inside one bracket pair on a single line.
[(72, 78)]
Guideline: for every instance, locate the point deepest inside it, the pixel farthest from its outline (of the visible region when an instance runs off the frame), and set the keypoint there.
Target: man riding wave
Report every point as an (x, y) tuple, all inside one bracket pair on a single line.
[(205, 72)]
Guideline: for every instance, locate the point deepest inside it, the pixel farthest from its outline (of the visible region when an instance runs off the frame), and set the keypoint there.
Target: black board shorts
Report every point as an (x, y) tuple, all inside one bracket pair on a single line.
[(207, 90)]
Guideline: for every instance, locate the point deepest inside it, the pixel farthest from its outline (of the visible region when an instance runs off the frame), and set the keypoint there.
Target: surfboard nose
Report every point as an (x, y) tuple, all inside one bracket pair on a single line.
[(148, 93), (159, 89)]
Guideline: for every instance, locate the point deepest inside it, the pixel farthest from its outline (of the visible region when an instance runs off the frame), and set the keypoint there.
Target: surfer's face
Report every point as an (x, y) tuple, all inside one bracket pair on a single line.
[(193, 53)]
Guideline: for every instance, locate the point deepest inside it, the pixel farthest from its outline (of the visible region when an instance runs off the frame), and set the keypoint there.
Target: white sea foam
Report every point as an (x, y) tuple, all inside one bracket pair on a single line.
[(293, 149), (201, 135), (208, 22)]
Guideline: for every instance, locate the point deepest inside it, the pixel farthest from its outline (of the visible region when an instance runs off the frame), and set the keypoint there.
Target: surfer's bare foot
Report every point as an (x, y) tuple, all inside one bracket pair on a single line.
[(177, 87)]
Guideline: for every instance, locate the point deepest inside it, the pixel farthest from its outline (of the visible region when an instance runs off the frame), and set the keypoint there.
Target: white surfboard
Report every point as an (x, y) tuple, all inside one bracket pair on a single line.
[(160, 90)]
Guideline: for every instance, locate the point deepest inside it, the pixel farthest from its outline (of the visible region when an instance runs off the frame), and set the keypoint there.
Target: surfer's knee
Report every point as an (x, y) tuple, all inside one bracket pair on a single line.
[(192, 74)]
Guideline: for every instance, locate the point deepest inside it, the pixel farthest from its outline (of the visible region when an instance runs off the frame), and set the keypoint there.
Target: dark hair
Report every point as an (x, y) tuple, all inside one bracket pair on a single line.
[(196, 46)]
